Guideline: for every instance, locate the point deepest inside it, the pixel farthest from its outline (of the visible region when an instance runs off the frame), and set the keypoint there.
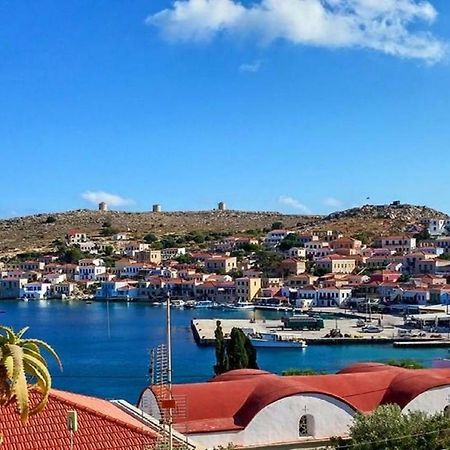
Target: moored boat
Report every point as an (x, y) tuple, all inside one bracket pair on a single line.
[(272, 340)]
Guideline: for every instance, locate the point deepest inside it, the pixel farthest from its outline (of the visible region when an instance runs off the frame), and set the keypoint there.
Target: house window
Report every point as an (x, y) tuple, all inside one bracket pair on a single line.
[(305, 425)]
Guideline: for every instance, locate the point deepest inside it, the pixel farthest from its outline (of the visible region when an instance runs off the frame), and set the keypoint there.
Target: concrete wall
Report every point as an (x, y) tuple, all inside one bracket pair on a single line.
[(279, 422), (431, 401)]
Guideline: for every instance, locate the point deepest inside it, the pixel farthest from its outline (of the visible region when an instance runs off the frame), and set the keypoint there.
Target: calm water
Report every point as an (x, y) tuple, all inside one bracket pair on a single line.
[(114, 364)]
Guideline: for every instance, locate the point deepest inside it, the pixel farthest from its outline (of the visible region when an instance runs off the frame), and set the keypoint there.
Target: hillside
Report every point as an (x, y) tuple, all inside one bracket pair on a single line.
[(34, 233)]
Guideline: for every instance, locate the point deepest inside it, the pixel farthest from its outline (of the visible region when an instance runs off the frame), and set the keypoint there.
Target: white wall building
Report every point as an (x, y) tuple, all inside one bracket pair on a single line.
[(251, 408), (439, 227), (273, 238)]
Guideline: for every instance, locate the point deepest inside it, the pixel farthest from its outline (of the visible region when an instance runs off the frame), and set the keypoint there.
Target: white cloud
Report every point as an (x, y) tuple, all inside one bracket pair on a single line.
[(293, 203), (388, 26), (96, 197), (333, 202), (250, 67)]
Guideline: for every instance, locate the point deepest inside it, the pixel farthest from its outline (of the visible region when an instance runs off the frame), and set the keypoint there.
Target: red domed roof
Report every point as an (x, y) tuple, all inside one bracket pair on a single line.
[(368, 367), (238, 374), (410, 383), (231, 400)]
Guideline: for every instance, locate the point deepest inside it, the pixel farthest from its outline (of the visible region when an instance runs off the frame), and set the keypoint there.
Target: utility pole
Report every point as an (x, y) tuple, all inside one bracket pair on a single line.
[(169, 370)]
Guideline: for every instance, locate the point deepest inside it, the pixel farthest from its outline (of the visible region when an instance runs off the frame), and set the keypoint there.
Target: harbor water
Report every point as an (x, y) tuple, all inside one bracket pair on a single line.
[(105, 347)]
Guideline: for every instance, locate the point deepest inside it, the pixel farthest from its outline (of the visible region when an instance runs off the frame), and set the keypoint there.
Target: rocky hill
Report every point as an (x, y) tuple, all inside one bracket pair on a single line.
[(37, 232), (378, 220)]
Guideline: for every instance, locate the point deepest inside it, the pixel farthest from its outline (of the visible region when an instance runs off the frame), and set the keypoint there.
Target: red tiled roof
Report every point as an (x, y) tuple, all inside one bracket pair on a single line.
[(101, 425), (230, 401)]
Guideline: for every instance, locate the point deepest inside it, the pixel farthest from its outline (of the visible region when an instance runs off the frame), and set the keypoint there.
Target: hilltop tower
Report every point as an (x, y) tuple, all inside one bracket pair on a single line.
[(156, 208), (221, 206), (103, 206)]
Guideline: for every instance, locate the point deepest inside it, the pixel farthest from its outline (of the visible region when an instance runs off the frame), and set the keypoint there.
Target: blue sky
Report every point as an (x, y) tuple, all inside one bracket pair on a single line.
[(296, 109)]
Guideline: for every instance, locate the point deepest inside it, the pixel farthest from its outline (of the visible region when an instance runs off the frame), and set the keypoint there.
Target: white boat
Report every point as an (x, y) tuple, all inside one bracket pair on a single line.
[(242, 305), (205, 304), (177, 303), (271, 340)]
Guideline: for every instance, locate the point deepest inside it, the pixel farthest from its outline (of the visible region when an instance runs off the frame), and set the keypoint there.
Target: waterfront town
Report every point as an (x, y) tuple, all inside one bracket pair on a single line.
[(224, 225), (275, 268), (397, 286)]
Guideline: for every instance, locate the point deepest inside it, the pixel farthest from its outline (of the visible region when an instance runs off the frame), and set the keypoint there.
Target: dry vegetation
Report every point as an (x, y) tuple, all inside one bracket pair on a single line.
[(35, 233)]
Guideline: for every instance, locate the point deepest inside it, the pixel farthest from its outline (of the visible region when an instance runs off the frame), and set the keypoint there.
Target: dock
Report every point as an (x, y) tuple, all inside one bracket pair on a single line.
[(203, 332), (422, 343)]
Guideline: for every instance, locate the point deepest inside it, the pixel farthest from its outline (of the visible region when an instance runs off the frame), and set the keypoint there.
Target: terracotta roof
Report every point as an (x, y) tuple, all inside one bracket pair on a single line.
[(230, 401), (101, 425)]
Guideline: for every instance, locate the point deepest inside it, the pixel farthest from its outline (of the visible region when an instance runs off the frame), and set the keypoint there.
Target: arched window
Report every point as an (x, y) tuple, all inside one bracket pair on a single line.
[(305, 425), (447, 411)]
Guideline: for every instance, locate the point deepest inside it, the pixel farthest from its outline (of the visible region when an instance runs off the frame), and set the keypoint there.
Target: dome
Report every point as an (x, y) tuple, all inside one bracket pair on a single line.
[(239, 374)]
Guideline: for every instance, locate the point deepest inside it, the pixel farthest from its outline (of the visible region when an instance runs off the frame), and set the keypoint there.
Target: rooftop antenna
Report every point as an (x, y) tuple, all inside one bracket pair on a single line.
[(171, 403), (161, 378)]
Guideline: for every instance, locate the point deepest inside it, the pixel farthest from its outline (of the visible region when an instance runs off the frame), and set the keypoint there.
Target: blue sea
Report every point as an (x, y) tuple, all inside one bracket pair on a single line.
[(105, 348)]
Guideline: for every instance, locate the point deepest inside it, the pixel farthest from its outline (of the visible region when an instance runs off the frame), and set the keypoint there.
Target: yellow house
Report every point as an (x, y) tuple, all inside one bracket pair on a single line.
[(337, 264), (149, 256), (247, 288), (221, 263)]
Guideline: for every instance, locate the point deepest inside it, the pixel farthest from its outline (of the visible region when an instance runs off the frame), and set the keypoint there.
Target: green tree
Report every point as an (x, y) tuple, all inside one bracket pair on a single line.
[(388, 428), (445, 256), (23, 368), (109, 250), (291, 240), (150, 238), (72, 255), (320, 271), (50, 219), (221, 365), (249, 248), (423, 235), (268, 261), (364, 237), (251, 354), (185, 259), (236, 351), (277, 225), (168, 242)]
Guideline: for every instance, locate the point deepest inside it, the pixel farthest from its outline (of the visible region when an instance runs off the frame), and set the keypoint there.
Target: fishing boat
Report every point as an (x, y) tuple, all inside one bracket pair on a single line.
[(272, 340)]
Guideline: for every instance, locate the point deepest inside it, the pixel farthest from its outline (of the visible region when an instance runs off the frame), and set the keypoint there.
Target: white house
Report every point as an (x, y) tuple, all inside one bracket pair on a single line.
[(273, 238), (75, 236), (439, 227), (398, 244), (172, 253), (317, 249), (35, 290), (297, 252), (321, 296), (89, 269)]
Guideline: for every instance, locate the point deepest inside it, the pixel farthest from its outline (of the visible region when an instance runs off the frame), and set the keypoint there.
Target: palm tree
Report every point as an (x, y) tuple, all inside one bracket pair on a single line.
[(24, 369)]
